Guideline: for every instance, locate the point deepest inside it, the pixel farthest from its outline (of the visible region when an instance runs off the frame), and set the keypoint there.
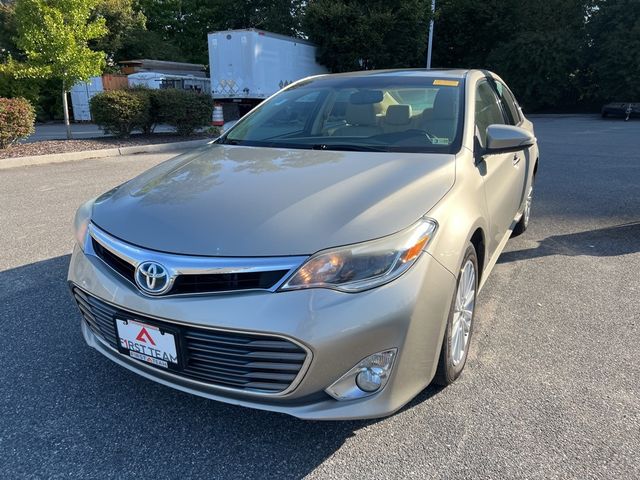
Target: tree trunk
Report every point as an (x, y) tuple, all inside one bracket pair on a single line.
[(65, 111)]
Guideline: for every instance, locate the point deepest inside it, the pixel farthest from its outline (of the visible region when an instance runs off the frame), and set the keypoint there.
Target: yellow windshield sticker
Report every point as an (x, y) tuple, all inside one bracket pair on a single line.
[(446, 83)]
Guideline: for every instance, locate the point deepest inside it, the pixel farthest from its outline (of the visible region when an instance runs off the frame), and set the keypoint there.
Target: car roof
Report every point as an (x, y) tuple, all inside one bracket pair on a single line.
[(406, 72)]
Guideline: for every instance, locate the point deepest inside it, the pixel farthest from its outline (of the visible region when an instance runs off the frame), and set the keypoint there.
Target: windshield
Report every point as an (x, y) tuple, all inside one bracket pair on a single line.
[(369, 113)]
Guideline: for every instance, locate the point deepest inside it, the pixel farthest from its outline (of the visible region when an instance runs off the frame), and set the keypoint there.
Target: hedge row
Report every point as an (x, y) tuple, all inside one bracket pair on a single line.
[(17, 117), (120, 112)]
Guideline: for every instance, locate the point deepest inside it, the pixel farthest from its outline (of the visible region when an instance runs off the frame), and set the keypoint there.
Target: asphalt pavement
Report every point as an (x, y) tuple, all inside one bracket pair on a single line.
[(551, 388)]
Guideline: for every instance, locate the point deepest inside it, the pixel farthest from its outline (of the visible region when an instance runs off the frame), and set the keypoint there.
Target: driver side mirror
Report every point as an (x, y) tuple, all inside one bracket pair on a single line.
[(507, 138)]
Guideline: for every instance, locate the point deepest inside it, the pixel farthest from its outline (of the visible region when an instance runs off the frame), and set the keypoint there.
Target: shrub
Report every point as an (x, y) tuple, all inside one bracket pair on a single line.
[(121, 111), (184, 110), (151, 96), (17, 117)]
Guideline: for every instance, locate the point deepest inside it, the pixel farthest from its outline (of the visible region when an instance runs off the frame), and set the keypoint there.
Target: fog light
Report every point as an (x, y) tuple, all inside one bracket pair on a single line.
[(366, 378), (370, 379)]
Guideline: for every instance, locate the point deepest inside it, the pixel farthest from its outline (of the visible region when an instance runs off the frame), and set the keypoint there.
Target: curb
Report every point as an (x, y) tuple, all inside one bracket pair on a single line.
[(103, 153)]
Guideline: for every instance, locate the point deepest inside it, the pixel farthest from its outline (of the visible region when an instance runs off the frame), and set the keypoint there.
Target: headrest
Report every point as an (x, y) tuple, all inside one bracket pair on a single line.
[(398, 115), (445, 105), (362, 115)]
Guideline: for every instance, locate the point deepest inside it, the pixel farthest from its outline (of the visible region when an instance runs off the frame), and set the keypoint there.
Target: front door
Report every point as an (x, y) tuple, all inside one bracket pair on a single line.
[(503, 173)]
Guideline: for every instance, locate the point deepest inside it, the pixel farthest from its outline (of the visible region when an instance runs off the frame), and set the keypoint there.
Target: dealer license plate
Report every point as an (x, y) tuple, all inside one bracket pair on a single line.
[(147, 343)]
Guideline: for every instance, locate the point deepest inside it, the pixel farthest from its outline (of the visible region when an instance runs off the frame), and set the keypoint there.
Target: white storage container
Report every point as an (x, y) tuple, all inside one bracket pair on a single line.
[(253, 64)]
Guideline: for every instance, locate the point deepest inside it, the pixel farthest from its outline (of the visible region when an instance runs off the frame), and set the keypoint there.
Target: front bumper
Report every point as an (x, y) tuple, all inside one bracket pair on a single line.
[(338, 329)]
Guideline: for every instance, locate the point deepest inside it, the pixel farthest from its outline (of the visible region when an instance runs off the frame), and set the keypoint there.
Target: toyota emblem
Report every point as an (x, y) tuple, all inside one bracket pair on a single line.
[(153, 278)]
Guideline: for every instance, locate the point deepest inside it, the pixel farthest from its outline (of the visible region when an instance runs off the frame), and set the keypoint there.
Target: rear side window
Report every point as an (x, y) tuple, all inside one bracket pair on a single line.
[(509, 103), (488, 112)]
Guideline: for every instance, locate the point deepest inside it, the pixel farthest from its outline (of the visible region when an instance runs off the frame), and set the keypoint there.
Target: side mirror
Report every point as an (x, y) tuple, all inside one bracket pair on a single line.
[(507, 138)]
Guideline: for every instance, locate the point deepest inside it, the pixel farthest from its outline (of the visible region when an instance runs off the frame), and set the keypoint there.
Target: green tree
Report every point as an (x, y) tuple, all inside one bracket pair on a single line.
[(185, 23), (7, 30), (538, 46), (53, 36), (361, 34), (122, 22), (614, 29)]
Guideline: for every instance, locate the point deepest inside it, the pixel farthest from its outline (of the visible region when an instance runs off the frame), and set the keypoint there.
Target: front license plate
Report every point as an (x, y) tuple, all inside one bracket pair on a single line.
[(147, 343)]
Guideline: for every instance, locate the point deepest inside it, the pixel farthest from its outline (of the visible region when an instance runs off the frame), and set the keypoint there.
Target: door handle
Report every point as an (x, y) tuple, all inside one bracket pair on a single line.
[(516, 159)]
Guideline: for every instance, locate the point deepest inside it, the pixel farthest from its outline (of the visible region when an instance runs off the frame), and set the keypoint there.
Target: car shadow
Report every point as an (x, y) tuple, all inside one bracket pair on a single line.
[(69, 409), (602, 242)]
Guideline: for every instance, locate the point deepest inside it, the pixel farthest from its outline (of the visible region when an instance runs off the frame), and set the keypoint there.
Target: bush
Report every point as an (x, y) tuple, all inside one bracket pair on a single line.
[(151, 96), (183, 110), (121, 111), (17, 117)]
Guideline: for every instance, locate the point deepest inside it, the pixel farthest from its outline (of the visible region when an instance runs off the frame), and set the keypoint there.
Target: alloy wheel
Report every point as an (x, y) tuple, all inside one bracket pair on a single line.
[(463, 312), (527, 207)]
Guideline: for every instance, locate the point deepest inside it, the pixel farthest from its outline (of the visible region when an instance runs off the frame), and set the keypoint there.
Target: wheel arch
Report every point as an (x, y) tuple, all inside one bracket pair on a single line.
[(478, 241)]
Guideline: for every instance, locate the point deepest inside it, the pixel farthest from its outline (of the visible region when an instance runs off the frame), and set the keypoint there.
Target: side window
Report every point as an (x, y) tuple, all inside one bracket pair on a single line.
[(509, 103), (488, 112)]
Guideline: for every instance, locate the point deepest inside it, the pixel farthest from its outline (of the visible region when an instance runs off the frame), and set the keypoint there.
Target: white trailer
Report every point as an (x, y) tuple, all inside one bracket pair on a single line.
[(250, 65)]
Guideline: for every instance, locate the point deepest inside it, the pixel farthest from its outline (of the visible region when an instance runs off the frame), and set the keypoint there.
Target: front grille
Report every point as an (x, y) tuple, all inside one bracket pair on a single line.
[(224, 282), (242, 361), (198, 283), (120, 265)]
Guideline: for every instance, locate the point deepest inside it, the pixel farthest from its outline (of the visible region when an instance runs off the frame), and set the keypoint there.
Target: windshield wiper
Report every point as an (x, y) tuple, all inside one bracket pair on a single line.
[(227, 141), (347, 147)]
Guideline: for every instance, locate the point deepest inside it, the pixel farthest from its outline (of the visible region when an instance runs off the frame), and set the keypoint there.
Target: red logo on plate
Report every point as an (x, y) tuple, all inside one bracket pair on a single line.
[(144, 334)]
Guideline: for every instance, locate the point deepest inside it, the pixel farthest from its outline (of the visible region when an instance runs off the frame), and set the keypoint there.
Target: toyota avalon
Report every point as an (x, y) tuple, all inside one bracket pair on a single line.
[(322, 257)]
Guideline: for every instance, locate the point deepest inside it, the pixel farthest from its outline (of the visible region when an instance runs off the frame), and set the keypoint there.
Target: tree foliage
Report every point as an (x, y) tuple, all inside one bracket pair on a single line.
[(186, 23), (362, 34), (54, 36), (537, 46), (614, 29), (555, 54), (7, 31), (122, 21)]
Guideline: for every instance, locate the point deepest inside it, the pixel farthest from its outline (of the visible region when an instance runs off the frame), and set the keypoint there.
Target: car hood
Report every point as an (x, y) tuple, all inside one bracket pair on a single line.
[(224, 200)]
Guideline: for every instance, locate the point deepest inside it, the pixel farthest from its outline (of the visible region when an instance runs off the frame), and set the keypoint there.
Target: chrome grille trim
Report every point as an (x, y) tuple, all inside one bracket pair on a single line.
[(206, 370), (179, 265)]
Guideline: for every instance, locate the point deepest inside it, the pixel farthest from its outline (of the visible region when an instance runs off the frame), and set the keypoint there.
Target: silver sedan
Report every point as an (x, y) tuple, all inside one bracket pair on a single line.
[(322, 258)]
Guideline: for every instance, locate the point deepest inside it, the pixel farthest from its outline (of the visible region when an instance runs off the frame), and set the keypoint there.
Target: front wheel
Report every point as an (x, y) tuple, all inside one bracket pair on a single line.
[(457, 336)]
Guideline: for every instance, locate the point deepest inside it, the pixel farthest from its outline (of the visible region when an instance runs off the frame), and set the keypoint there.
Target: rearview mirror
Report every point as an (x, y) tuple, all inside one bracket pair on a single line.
[(505, 138)]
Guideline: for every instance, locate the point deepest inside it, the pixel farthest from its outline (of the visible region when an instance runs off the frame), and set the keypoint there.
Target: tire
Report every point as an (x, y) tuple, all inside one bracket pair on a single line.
[(452, 361), (523, 224)]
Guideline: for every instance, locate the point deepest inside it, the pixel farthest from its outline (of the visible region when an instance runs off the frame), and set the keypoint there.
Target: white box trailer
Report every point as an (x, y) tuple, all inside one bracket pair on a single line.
[(250, 65)]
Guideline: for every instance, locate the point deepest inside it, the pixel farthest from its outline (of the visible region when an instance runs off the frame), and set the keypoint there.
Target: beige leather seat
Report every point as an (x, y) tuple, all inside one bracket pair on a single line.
[(398, 118), (441, 121), (361, 122)]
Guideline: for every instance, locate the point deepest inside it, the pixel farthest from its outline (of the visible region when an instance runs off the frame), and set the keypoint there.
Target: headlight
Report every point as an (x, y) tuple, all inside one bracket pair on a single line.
[(362, 266), (81, 222)]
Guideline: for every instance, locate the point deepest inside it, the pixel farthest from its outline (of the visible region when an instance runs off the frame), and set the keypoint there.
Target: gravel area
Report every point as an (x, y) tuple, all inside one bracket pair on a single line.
[(78, 145)]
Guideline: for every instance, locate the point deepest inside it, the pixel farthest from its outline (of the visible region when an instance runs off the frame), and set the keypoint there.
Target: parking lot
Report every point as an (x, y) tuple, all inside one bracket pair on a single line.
[(551, 389)]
